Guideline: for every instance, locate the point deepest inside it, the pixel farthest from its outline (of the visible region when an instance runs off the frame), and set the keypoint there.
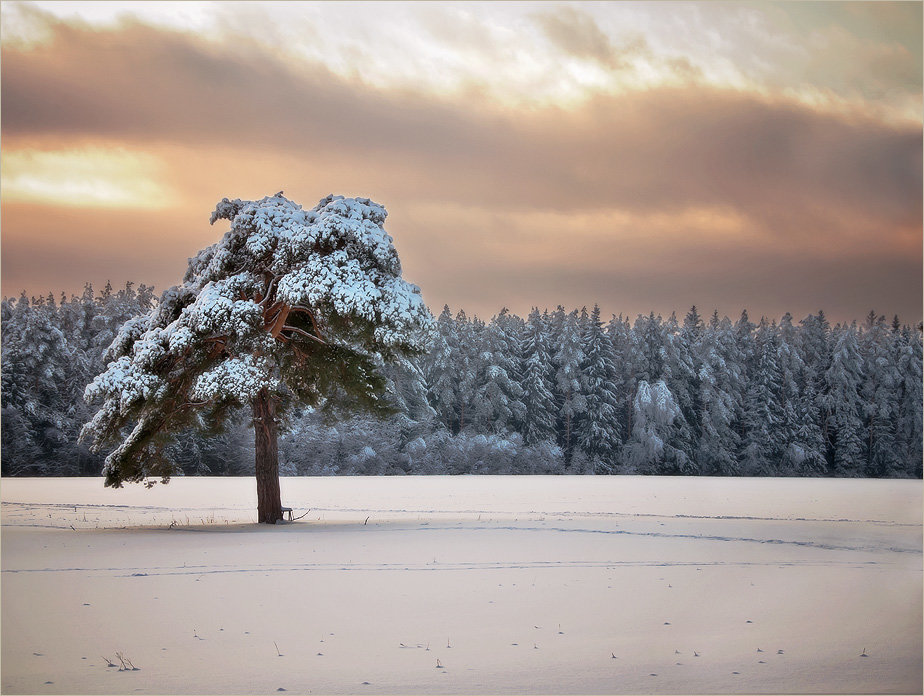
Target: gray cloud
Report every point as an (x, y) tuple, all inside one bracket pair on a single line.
[(577, 34), (728, 280), (664, 148), (791, 173)]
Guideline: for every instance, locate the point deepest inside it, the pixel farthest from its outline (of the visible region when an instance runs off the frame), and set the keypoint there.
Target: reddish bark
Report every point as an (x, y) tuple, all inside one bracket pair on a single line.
[(269, 502)]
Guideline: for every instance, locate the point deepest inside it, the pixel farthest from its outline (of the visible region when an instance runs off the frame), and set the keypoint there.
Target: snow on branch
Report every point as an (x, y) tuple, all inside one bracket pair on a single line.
[(282, 281)]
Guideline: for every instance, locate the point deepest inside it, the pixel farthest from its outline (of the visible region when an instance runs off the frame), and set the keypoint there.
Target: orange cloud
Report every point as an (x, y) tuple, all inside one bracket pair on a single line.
[(91, 177), (677, 195)]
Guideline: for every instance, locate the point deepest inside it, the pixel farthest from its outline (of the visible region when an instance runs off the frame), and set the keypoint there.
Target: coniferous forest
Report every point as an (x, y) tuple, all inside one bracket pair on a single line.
[(557, 392)]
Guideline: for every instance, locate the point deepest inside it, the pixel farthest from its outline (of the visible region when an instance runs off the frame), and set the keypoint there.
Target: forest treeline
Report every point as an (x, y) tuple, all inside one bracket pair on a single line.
[(557, 392)]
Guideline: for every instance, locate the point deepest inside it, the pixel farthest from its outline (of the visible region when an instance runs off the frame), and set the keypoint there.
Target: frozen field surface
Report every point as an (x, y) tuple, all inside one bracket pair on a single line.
[(510, 584)]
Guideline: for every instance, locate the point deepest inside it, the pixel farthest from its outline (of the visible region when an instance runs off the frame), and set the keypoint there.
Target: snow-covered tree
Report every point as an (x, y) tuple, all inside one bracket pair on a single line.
[(497, 403), (568, 359), (880, 397), (797, 446), (465, 366), (909, 431), (685, 366), (681, 376), (648, 348), (843, 403), (440, 369), (598, 429), (648, 450), (814, 347), (291, 306), (41, 376), (761, 446), (620, 336), (539, 422), (721, 386), (810, 457)]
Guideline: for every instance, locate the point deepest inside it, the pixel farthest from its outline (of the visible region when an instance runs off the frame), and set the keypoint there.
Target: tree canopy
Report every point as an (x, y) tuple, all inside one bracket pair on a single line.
[(290, 306)]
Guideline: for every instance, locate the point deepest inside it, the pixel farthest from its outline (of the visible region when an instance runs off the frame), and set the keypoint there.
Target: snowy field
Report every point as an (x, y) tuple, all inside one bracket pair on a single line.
[(513, 585)]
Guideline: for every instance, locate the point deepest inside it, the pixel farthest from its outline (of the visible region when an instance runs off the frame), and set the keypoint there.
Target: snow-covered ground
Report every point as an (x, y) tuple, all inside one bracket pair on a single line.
[(511, 584)]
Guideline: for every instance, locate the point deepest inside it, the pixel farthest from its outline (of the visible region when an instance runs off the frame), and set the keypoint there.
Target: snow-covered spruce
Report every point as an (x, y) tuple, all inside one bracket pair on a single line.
[(291, 306)]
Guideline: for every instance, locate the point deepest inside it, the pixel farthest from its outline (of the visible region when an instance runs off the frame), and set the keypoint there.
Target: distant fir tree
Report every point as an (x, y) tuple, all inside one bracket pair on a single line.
[(680, 373), (441, 370), (568, 363), (648, 450), (721, 388), (466, 366), (843, 404), (598, 429), (42, 377), (648, 339), (497, 403), (763, 414), (800, 453), (619, 333), (814, 345), (880, 395), (687, 374), (909, 433), (539, 423), (812, 460)]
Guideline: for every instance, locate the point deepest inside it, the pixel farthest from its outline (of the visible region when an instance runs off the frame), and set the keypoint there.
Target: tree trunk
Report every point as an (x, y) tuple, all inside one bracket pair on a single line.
[(269, 503)]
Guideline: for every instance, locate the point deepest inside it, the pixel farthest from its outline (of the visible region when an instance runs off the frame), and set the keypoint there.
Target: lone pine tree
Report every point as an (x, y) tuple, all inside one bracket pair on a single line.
[(291, 306)]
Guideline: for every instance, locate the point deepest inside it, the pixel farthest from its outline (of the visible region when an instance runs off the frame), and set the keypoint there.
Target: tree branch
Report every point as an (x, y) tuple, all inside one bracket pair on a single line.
[(286, 327), (279, 321), (269, 289)]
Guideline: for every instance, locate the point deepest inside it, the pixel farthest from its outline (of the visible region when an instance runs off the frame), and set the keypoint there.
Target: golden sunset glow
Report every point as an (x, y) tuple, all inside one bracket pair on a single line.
[(92, 177), (643, 155)]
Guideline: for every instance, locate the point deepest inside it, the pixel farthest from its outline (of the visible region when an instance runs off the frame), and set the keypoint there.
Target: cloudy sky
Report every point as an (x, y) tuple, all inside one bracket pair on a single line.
[(646, 156)]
